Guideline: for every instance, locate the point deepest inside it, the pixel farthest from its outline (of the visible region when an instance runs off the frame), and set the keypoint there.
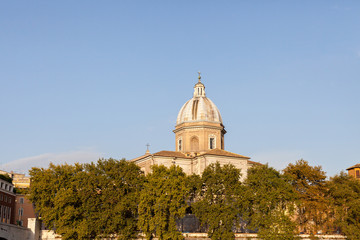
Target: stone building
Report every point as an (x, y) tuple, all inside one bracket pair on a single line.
[(24, 209), (19, 179), (7, 202), (199, 139), (354, 171)]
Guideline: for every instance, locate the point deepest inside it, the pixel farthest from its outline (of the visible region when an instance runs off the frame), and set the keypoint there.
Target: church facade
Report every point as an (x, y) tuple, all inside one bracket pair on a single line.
[(199, 139)]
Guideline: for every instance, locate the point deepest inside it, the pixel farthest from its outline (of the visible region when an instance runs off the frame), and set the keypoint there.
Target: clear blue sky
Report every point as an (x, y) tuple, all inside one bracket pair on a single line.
[(81, 80)]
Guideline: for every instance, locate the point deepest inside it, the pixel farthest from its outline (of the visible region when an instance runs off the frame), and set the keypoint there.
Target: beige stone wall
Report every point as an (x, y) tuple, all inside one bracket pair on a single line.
[(13, 232), (352, 172), (206, 160), (193, 165), (185, 164), (166, 161), (21, 182), (145, 164), (49, 235), (19, 179), (202, 131)]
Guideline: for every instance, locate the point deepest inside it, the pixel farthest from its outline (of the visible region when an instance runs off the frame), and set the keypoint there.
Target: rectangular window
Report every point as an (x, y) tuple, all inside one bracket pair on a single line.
[(180, 144), (212, 143), (21, 211), (21, 200), (357, 173)]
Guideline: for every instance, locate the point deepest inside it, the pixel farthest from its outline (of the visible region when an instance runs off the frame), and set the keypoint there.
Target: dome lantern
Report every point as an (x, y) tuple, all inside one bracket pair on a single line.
[(199, 88)]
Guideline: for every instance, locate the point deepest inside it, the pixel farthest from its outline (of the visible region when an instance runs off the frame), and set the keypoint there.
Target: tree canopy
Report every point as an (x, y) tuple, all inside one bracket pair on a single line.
[(6, 178), (270, 203), (344, 192), (163, 201), (88, 200), (113, 198), (312, 205), (218, 202)]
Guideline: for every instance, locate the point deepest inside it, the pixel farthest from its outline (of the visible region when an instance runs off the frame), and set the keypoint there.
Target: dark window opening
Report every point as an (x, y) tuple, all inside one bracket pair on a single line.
[(21, 211), (212, 143)]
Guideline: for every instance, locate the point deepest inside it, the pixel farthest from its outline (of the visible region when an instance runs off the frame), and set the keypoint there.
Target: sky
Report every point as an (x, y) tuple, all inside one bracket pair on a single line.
[(83, 80)]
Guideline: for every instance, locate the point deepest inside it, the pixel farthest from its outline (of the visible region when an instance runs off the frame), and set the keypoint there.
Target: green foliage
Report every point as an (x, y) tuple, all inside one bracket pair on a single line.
[(344, 191), (313, 206), (114, 198), (6, 178), (23, 191), (163, 201), (217, 203), (88, 200), (270, 200)]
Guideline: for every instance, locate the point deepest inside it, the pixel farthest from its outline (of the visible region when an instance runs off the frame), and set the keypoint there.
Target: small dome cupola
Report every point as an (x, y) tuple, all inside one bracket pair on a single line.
[(199, 88)]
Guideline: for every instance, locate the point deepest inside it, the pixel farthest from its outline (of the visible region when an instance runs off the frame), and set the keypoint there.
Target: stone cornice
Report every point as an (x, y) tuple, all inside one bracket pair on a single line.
[(198, 127)]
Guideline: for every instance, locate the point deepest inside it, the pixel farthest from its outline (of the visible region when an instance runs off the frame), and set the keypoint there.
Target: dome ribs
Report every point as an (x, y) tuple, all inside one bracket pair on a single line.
[(195, 109)]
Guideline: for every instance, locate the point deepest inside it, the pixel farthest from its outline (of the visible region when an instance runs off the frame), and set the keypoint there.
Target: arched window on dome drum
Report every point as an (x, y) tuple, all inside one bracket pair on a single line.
[(194, 141)]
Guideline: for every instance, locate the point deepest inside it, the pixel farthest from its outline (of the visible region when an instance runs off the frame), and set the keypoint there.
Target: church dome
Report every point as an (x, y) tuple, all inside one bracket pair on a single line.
[(199, 108)]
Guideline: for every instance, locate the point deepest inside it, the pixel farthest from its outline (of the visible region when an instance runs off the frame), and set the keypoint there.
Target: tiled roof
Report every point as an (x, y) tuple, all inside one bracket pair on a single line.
[(355, 166), (171, 154), (216, 152), (141, 157), (254, 163), (221, 152)]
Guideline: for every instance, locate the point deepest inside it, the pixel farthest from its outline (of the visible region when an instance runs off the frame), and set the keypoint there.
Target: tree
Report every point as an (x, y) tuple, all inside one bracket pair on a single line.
[(344, 191), (270, 200), (162, 202), (313, 206), (217, 201), (6, 178), (88, 200)]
